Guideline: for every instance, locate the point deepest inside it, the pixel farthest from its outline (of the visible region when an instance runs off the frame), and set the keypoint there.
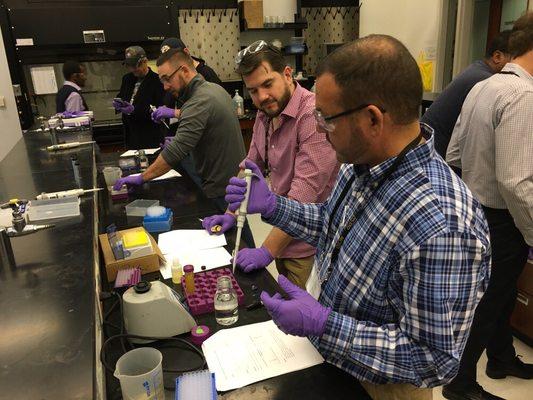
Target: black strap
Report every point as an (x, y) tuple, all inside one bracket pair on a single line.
[(509, 73), (266, 171), (348, 227)]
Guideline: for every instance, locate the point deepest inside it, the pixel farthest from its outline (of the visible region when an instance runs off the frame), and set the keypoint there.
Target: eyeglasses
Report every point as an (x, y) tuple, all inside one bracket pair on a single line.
[(255, 47), (327, 126), (166, 79)]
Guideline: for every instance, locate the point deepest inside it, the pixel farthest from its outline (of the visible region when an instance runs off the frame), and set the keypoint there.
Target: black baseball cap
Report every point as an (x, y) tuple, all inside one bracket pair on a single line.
[(172, 43), (133, 55)]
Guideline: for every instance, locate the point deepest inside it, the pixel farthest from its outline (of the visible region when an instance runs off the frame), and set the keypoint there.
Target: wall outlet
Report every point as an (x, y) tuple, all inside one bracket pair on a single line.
[(2, 101)]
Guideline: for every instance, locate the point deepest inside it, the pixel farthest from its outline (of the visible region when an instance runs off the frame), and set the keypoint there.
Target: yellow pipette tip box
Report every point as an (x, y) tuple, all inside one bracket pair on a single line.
[(135, 239)]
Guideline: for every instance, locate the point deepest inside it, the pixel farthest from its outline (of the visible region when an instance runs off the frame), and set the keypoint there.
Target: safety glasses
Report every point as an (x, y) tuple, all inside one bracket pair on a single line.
[(255, 47), (325, 124)]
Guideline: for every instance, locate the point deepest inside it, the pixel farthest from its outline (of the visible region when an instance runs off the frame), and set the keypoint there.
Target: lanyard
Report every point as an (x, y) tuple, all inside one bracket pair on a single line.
[(348, 227), (508, 73), (266, 171)]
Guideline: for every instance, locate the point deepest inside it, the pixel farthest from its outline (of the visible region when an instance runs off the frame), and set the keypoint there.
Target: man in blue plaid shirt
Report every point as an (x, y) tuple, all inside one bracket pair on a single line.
[(403, 247)]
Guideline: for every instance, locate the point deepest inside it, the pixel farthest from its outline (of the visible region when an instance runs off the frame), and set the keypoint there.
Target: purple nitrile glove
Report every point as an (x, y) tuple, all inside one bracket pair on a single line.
[(226, 222), (251, 259), (301, 315), (166, 142), (131, 180), (261, 199), (118, 104), (72, 114), (163, 112), (123, 106)]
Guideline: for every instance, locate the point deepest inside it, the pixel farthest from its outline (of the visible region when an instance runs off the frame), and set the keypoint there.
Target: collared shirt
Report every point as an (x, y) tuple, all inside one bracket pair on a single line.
[(208, 129), (303, 165), (405, 285), (74, 102), (493, 145)]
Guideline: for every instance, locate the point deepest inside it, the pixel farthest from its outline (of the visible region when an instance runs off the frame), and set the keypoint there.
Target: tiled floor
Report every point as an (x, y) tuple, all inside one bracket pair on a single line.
[(510, 388)]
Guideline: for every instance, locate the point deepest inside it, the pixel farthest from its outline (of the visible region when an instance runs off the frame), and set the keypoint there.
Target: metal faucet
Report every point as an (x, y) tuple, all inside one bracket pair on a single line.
[(18, 228)]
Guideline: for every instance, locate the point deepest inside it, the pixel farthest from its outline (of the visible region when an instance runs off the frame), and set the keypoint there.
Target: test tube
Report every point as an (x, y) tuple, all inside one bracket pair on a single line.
[(189, 278)]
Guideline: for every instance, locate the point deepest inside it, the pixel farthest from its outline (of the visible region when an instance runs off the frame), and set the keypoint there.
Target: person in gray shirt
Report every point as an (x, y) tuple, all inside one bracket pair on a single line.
[(208, 128), (492, 143), (443, 113)]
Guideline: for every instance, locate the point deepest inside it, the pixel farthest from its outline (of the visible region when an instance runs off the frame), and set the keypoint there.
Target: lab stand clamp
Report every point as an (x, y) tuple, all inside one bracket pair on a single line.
[(18, 228)]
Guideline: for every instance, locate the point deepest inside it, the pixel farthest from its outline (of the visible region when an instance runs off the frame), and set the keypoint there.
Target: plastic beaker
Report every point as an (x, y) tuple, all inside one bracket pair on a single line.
[(111, 175), (140, 374)]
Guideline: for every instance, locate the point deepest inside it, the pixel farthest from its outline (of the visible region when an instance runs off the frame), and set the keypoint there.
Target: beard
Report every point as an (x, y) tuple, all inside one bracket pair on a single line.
[(281, 104)]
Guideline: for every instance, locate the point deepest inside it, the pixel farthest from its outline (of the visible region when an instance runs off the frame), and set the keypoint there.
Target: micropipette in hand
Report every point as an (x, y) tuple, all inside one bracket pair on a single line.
[(241, 216), (153, 108)]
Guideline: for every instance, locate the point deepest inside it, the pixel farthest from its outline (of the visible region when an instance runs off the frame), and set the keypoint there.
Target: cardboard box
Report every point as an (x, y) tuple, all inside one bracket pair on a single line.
[(251, 13), (148, 263)]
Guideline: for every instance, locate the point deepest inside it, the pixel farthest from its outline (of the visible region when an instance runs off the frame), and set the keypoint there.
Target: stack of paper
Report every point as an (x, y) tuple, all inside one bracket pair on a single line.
[(251, 353), (131, 153), (170, 174), (195, 247)]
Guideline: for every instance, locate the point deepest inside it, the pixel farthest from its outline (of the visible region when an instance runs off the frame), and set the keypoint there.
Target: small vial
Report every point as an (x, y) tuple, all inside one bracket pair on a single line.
[(226, 302), (189, 278), (143, 160), (177, 271)]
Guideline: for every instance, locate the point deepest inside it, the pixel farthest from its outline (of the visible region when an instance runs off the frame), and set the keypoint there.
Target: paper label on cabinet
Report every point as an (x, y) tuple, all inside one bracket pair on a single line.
[(25, 42)]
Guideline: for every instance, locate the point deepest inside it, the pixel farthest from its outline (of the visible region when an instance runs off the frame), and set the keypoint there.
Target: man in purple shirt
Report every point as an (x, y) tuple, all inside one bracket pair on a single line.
[(69, 97), (298, 161)]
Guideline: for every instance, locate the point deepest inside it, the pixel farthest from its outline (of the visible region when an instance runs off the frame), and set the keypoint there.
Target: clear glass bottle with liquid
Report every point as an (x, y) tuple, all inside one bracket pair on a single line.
[(226, 302), (143, 160), (238, 104)]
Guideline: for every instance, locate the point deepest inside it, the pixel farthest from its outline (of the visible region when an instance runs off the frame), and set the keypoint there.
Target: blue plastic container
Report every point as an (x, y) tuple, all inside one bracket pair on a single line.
[(161, 223)]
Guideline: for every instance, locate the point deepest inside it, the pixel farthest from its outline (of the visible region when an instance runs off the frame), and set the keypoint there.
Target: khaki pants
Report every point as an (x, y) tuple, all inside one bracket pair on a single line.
[(296, 270), (397, 391)]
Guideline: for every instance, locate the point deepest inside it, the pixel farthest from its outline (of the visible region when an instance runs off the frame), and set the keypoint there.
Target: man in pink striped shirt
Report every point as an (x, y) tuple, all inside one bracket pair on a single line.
[(298, 161)]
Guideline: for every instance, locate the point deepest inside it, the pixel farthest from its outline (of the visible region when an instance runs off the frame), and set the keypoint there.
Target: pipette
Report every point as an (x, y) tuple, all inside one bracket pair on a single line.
[(65, 193), (64, 146), (241, 216), (153, 108)]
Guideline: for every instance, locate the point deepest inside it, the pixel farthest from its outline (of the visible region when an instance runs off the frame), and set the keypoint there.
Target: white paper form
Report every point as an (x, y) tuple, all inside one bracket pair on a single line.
[(251, 353), (131, 153), (43, 79), (210, 258), (189, 240)]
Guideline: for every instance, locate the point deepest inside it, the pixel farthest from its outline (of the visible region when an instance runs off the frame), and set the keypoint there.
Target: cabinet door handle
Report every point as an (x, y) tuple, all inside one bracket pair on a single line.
[(522, 299)]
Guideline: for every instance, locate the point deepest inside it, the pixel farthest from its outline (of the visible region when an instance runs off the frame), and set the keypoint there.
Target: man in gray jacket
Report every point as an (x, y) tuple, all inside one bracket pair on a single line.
[(207, 128)]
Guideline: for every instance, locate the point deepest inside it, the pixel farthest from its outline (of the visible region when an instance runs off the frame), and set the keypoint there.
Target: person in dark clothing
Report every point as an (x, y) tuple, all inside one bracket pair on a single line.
[(443, 113), (69, 97), (140, 89)]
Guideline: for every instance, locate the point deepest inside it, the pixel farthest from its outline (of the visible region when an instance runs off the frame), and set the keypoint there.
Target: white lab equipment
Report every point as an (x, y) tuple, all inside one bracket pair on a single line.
[(64, 146), (241, 216), (65, 193), (153, 309)]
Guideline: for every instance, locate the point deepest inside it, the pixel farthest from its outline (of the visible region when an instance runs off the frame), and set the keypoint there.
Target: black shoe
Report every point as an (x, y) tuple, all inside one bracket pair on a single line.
[(475, 392), (498, 370)]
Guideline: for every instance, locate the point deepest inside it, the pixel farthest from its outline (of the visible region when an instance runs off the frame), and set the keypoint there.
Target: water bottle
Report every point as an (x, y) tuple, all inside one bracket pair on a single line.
[(226, 302), (238, 104), (143, 160)]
